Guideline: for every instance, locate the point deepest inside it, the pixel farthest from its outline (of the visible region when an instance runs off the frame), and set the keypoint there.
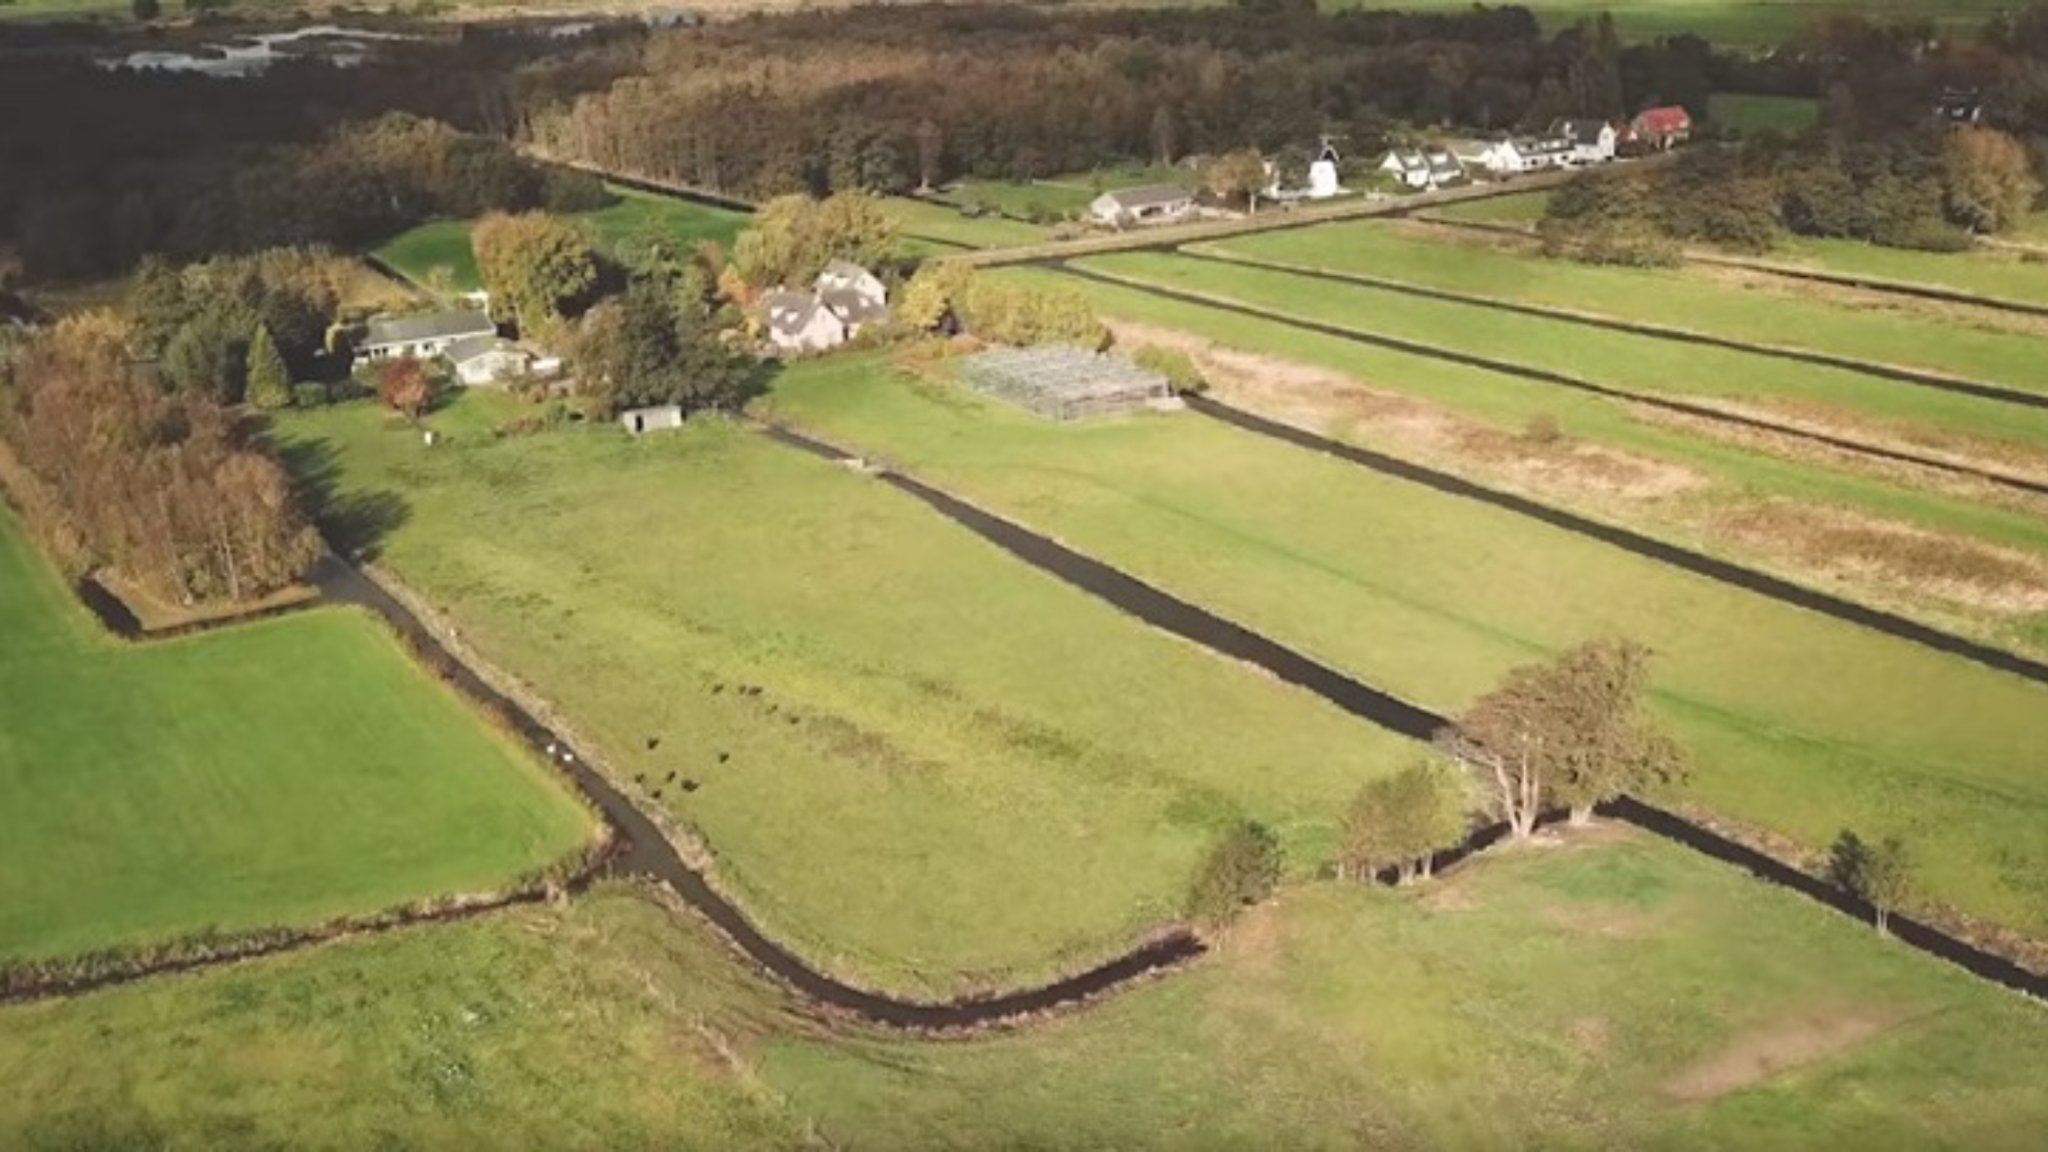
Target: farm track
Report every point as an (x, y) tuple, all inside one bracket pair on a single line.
[(1379, 708), (1545, 376), (1879, 284), (1635, 543), (1934, 380)]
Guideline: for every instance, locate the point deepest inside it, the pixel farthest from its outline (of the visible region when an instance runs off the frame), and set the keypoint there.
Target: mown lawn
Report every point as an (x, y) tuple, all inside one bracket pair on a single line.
[(1673, 298), (1647, 365), (1797, 723), (277, 774), (1750, 113), (925, 765), (625, 230), (1610, 995)]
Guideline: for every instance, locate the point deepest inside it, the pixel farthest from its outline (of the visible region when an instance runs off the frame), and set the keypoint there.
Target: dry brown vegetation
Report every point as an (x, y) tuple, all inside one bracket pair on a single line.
[(1788, 1043), (1859, 549), (1537, 459)]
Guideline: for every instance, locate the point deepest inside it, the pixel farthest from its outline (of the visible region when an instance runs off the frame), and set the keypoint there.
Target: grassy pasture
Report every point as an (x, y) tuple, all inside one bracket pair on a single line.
[(1519, 208), (1595, 995), (1980, 272), (280, 773), (1645, 364), (1797, 723), (923, 764), (1669, 297), (920, 220), (1753, 24), (635, 223), (1733, 475), (1750, 113)]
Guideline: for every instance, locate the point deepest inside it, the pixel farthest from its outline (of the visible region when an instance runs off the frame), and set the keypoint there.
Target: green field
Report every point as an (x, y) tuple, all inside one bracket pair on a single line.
[(1645, 365), (1616, 995), (1979, 272), (923, 220), (1520, 208), (277, 774), (1747, 113), (1797, 723), (1751, 24), (635, 224), (955, 771), (1673, 298)]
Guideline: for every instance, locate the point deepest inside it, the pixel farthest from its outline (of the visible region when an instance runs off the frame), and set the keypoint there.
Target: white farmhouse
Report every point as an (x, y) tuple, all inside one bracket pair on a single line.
[(1131, 206), (1593, 141), (844, 299), (1494, 157), (486, 360), (1423, 168), (421, 337)]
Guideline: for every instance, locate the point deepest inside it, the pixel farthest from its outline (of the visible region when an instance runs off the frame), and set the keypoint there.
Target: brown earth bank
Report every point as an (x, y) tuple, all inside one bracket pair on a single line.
[(1793, 1041), (1957, 580)]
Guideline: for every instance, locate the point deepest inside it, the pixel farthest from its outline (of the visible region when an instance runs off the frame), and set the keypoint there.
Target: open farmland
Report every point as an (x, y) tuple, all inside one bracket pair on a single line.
[(1753, 24), (635, 224), (1638, 364), (1668, 297), (1798, 723), (951, 228), (1611, 993), (277, 774), (1986, 272), (1750, 113), (923, 765)]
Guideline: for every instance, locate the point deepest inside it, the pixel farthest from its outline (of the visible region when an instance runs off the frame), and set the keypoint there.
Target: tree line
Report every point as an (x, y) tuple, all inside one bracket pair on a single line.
[(166, 487)]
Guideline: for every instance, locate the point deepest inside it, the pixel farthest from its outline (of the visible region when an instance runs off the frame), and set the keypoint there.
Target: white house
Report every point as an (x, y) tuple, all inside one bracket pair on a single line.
[(1493, 157), (486, 360), (1593, 141), (844, 299), (422, 337), (1132, 206), (1423, 168), (1541, 152)]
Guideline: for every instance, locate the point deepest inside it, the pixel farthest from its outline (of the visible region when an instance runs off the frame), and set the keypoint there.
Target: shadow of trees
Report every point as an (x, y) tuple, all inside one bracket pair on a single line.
[(355, 523)]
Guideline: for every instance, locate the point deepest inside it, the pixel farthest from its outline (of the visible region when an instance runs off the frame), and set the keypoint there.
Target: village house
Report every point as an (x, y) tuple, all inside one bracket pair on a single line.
[(844, 299), (1660, 128), (1541, 152), (1128, 207), (481, 361), (1423, 168), (1493, 157), (1593, 141), (421, 337)]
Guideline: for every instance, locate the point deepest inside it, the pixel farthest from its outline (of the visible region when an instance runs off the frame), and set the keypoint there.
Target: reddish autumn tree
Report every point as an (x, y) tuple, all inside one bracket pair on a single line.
[(402, 385)]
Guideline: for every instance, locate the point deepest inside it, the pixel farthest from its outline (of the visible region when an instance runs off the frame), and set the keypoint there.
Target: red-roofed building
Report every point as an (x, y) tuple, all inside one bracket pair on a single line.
[(1660, 128)]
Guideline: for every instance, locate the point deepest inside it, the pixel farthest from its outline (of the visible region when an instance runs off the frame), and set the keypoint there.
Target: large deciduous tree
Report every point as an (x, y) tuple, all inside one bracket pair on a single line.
[(1571, 731), (403, 386), (659, 344), (1237, 177), (1988, 180), (1401, 822), (539, 270), (792, 238)]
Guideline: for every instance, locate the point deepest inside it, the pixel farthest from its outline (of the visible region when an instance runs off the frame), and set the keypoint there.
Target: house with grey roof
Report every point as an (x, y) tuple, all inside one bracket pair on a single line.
[(1127, 207), (421, 337), (1593, 141), (481, 361), (1423, 167), (844, 299)]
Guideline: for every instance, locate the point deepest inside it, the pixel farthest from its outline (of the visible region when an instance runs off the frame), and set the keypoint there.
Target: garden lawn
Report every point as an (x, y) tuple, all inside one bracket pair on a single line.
[(279, 773), (1796, 723), (1668, 297), (624, 231), (1646, 365), (1986, 272), (1621, 995), (1750, 113), (950, 228), (606, 1024), (924, 765)]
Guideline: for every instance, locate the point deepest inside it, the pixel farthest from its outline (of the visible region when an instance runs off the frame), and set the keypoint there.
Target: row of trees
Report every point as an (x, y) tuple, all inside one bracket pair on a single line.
[(162, 487), (901, 98), (949, 296), (238, 327), (1570, 733), (1928, 188)]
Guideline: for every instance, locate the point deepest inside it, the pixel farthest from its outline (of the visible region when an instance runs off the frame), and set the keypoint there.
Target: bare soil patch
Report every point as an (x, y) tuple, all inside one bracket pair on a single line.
[(158, 615), (1590, 1034), (1871, 300), (1857, 548), (1783, 1046), (1541, 461)]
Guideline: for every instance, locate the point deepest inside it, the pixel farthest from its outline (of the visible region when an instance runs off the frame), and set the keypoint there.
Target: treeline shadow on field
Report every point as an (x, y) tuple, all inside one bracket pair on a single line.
[(355, 524)]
